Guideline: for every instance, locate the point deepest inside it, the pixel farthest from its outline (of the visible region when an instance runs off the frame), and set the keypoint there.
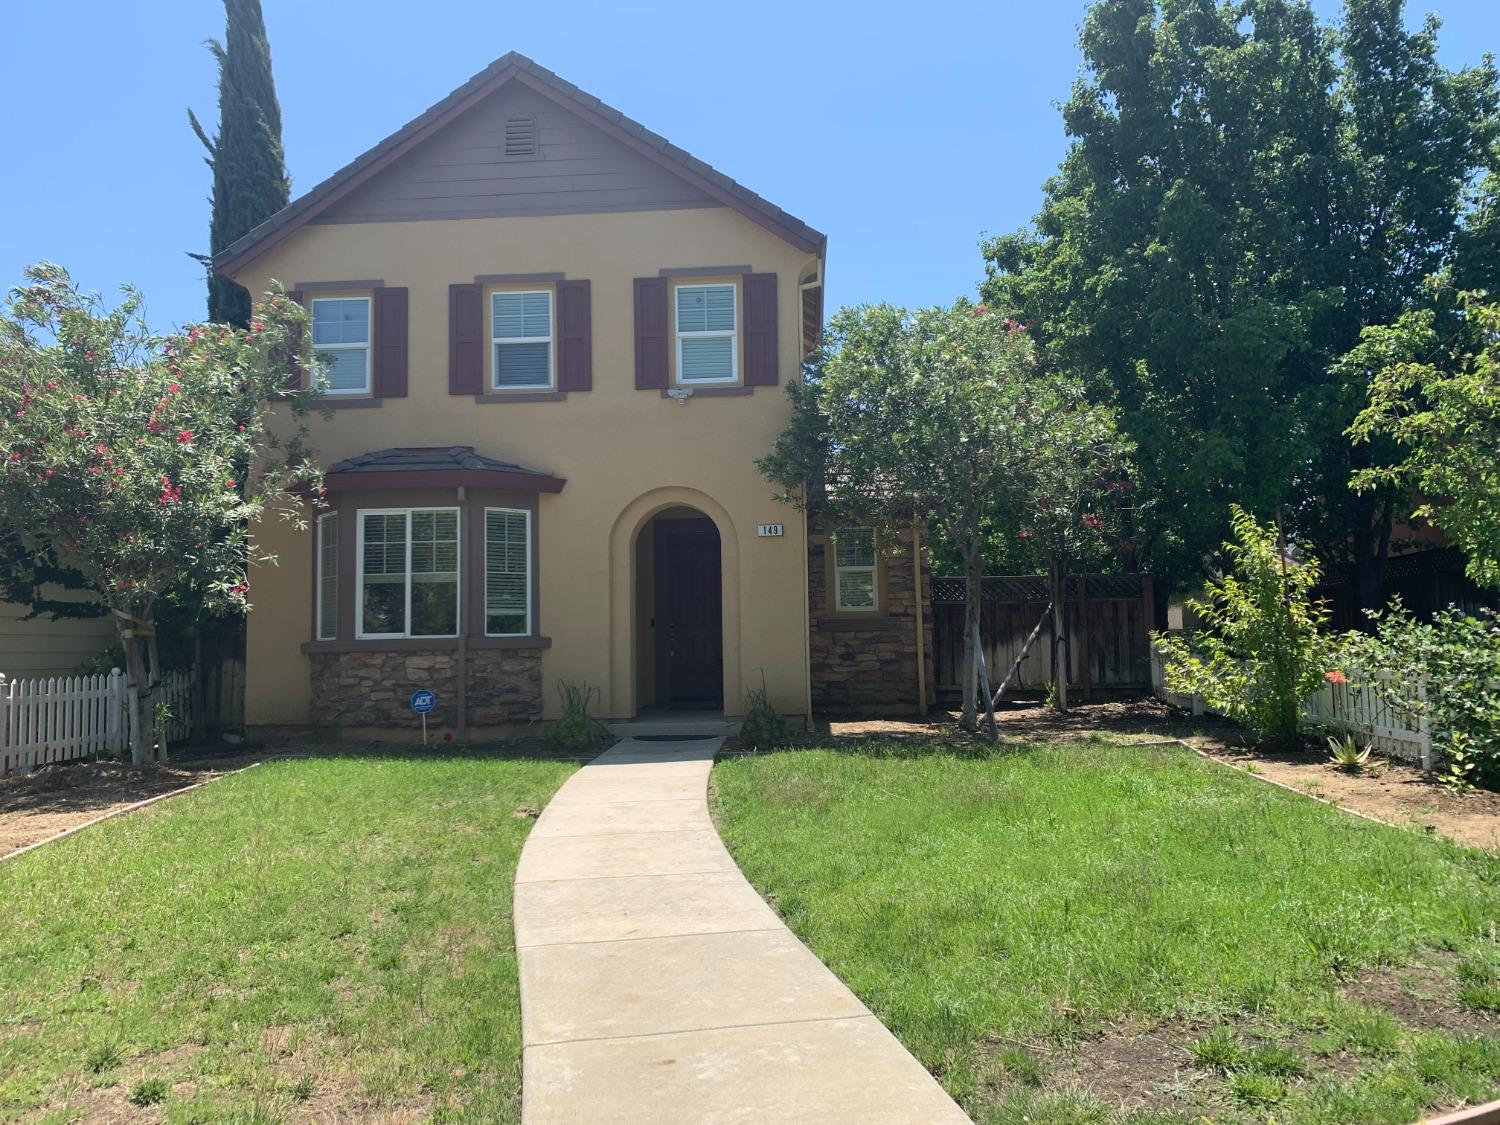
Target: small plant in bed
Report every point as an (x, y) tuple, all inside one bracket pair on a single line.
[(576, 731), (1346, 754), (764, 728)]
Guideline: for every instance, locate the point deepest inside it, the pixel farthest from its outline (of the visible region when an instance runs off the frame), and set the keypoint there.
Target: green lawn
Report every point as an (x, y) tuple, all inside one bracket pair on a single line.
[(310, 937), (1040, 924)]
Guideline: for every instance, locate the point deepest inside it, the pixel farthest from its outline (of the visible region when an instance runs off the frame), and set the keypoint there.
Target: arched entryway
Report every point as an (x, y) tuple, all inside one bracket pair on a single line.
[(679, 613), (664, 572)]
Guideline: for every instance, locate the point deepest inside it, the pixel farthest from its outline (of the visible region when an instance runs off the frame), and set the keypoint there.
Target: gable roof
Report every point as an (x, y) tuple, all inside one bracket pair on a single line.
[(514, 67)]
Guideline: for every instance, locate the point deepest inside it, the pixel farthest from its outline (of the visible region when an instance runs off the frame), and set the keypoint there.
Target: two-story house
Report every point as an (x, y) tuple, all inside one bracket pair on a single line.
[(555, 344)]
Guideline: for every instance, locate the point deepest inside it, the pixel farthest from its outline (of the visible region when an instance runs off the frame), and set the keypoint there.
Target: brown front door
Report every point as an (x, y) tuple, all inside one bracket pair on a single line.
[(689, 615)]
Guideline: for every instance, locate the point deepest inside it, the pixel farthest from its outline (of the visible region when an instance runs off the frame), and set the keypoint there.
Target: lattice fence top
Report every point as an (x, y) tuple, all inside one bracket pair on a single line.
[(1033, 588)]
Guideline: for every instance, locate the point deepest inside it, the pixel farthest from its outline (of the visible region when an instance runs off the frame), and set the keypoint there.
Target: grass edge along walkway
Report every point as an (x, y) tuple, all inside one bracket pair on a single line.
[(313, 936), (1003, 910)]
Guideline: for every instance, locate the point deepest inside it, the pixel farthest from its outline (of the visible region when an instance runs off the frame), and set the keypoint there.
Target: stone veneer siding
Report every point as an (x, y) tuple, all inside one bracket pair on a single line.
[(373, 688), (871, 670)]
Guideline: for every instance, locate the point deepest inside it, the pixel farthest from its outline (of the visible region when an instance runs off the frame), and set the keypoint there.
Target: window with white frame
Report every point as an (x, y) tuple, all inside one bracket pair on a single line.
[(328, 576), (854, 568), (507, 572), (706, 321), (408, 573), (521, 340), (341, 339)]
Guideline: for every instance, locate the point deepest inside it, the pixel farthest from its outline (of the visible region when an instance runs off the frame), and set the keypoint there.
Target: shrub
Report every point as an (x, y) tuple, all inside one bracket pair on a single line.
[(1261, 652), (764, 728), (576, 732), (1444, 669)]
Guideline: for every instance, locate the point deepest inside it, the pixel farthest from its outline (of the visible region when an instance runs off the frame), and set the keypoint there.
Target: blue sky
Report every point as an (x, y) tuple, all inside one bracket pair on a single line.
[(904, 132)]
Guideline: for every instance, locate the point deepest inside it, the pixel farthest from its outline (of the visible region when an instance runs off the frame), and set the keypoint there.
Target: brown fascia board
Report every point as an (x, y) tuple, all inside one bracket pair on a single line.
[(441, 478), (512, 67)]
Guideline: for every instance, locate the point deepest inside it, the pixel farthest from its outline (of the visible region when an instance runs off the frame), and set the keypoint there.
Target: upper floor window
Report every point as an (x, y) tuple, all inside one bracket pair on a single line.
[(521, 340), (854, 568), (706, 323), (408, 572), (341, 339)]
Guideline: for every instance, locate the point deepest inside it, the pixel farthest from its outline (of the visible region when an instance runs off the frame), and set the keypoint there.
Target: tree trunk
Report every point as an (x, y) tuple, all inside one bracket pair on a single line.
[(153, 677), (137, 694), (1059, 638), (973, 599)]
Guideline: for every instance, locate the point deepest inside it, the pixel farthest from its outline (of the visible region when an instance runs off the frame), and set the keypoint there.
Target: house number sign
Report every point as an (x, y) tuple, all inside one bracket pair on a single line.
[(769, 530)]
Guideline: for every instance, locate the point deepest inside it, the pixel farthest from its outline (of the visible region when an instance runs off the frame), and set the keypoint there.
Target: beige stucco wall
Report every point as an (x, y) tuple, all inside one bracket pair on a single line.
[(625, 454)]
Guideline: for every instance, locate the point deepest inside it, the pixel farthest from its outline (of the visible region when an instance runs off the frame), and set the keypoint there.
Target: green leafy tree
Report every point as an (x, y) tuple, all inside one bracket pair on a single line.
[(249, 166), (126, 458), (942, 415), (1437, 395), (1260, 652), (1245, 190)]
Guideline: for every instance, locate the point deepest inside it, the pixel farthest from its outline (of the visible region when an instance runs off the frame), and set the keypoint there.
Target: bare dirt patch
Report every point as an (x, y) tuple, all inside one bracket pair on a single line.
[(1422, 996), (1387, 790), (52, 799)]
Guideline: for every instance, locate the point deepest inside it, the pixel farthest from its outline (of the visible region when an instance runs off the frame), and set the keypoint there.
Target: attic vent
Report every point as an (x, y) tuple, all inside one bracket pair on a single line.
[(520, 135)]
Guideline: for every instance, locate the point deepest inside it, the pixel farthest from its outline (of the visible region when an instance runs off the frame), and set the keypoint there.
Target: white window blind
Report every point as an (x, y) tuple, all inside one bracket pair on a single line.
[(854, 567), (408, 573), (328, 576), (706, 321), (521, 338), (341, 339), (507, 572)]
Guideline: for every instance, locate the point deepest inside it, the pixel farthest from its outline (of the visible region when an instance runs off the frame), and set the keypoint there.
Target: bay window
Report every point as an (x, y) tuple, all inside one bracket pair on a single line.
[(507, 572), (408, 573)]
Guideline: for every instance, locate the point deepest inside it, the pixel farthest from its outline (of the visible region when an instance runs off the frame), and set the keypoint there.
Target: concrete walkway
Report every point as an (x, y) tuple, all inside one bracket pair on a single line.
[(657, 986)]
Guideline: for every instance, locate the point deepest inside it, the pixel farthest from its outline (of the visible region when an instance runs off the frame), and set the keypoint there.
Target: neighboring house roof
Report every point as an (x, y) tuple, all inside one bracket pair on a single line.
[(440, 466), (515, 67)]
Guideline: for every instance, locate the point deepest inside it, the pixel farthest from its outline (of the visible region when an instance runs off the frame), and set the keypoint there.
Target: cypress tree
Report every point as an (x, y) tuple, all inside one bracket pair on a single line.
[(250, 180)]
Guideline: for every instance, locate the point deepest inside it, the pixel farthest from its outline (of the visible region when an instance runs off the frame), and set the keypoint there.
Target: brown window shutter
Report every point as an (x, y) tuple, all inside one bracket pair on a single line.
[(465, 339), (650, 333), (760, 330), (390, 343), (297, 379), (575, 331)]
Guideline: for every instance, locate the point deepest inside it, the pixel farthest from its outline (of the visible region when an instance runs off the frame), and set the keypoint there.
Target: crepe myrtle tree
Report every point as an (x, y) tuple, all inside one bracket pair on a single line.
[(140, 461), (940, 416)]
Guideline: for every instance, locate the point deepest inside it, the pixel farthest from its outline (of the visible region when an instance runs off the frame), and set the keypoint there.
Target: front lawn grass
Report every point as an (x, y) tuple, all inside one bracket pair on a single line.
[(1061, 931), (314, 938)]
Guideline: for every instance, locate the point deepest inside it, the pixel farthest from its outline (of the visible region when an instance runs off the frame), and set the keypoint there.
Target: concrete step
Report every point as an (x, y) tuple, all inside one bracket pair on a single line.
[(677, 726)]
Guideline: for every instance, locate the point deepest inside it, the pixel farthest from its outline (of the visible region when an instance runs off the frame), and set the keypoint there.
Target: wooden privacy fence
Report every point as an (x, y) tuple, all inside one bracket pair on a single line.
[(1107, 618), (62, 719)]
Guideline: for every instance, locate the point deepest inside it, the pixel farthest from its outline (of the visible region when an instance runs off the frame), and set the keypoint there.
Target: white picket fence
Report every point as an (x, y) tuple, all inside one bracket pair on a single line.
[(62, 719), (1356, 706), (1362, 710)]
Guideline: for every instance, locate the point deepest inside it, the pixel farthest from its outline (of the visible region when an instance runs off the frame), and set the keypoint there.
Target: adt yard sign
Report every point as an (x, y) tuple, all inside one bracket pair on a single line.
[(423, 701)]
